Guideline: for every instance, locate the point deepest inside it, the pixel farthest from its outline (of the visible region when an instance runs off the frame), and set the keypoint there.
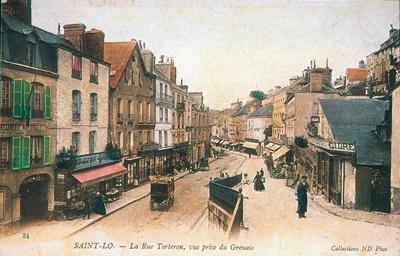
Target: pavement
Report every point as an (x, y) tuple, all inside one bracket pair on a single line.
[(57, 230)]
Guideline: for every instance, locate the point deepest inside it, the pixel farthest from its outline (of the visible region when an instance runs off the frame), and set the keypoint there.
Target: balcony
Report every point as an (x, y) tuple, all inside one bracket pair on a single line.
[(148, 147), (180, 145), (36, 162), (164, 100), (69, 161)]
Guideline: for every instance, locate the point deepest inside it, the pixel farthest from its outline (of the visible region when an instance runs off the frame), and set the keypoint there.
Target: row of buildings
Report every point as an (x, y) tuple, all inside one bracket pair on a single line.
[(343, 135), (81, 116)]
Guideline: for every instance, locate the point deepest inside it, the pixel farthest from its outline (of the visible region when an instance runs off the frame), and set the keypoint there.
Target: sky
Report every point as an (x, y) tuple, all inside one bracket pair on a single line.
[(228, 48)]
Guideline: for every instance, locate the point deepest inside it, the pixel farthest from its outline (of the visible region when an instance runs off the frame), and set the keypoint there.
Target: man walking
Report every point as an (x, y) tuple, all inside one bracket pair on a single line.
[(87, 209), (301, 192)]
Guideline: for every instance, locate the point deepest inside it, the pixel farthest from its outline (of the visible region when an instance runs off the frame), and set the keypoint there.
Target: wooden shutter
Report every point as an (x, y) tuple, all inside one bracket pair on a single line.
[(17, 99), (26, 152), (47, 103), (46, 150), (16, 153), (27, 100)]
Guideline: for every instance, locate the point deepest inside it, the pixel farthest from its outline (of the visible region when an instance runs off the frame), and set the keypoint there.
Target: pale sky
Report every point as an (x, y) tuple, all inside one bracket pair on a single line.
[(227, 48)]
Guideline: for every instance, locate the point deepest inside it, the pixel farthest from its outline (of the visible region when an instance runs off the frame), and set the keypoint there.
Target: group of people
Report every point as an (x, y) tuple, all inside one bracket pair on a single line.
[(99, 206), (301, 189)]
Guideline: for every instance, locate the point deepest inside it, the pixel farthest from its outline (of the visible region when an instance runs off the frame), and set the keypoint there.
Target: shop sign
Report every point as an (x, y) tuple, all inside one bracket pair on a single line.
[(21, 128), (334, 146)]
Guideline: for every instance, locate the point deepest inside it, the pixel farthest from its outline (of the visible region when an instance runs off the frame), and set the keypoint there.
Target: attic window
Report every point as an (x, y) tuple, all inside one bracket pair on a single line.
[(133, 58)]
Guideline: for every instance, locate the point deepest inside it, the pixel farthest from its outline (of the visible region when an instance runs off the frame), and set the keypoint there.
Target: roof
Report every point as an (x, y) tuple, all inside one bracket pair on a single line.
[(355, 121), (265, 111), (393, 40), (118, 54), (355, 74), (17, 26), (240, 112)]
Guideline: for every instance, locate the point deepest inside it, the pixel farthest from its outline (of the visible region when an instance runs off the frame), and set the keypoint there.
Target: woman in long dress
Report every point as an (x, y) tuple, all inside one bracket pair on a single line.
[(258, 184)]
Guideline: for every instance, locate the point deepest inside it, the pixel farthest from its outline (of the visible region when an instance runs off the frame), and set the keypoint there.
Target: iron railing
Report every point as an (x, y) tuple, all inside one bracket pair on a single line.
[(89, 160)]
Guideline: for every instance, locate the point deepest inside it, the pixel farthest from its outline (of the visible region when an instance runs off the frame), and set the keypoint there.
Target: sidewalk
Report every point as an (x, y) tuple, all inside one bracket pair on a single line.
[(58, 230), (254, 164)]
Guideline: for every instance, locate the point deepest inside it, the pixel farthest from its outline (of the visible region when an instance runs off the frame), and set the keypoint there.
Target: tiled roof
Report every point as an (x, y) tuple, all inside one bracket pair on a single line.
[(118, 54), (265, 111), (355, 121)]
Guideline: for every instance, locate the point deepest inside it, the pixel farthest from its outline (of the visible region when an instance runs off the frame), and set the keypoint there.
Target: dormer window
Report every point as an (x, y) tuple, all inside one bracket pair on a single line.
[(31, 54)]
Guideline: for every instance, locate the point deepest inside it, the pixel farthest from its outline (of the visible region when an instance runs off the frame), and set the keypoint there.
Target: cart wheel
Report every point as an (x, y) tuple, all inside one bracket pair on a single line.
[(152, 205)]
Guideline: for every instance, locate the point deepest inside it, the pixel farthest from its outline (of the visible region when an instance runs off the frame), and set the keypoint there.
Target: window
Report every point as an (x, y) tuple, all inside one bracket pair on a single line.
[(141, 112), (161, 90), (92, 142), (4, 153), (161, 115), (126, 75), (36, 151), (6, 92), (76, 67), (130, 115), (148, 112), (94, 67), (160, 138), (173, 120), (140, 80), (149, 140), (140, 137), (166, 138), (133, 77), (133, 58), (130, 141), (31, 54), (75, 141), (93, 107), (76, 105), (166, 115), (38, 101)]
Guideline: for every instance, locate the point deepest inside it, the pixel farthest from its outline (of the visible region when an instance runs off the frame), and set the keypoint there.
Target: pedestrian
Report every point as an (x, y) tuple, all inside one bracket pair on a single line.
[(301, 192), (88, 208), (258, 184), (100, 207), (262, 175)]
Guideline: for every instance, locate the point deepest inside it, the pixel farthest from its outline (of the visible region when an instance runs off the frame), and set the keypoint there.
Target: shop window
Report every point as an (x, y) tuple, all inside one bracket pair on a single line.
[(76, 67)]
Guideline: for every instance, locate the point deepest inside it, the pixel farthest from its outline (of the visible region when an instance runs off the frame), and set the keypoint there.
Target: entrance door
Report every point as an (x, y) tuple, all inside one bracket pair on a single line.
[(363, 189), (34, 201)]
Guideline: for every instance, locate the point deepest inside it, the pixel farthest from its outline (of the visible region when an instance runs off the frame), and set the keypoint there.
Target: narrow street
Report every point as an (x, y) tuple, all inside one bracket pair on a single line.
[(271, 225)]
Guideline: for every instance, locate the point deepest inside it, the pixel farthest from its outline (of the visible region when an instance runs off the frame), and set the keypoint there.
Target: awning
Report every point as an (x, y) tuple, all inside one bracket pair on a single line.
[(283, 150), (250, 145), (97, 175)]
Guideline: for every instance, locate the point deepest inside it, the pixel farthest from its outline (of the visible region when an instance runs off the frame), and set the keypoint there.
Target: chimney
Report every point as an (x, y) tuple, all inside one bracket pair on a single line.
[(172, 61), (59, 29), (314, 64), (74, 33), (19, 9), (167, 59), (140, 45), (327, 63), (181, 81), (144, 46), (94, 43), (162, 59)]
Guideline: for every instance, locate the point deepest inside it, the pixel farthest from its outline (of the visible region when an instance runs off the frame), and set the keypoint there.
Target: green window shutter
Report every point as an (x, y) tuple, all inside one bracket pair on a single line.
[(26, 152), (17, 99), (16, 153), (27, 112), (47, 103), (46, 151)]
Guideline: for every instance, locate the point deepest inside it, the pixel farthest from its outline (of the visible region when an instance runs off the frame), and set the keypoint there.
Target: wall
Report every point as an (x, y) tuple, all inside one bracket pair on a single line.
[(395, 172), (65, 85)]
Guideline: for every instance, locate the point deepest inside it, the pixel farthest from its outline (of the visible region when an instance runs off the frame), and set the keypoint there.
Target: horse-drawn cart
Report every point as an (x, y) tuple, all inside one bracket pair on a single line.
[(162, 192)]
